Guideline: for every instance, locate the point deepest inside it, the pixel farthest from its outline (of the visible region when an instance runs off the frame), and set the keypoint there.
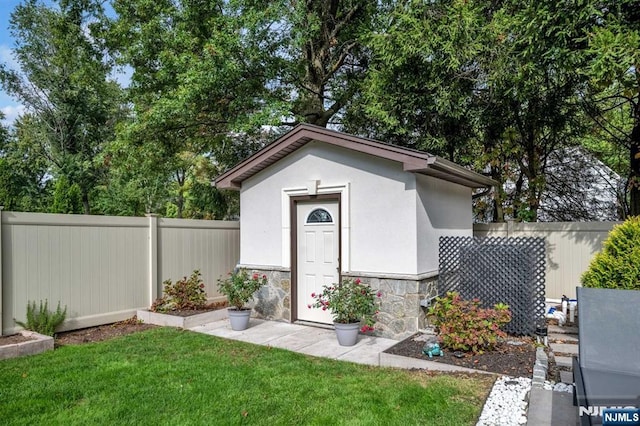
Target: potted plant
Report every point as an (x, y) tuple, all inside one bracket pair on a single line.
[(239, 288), (352, 305)]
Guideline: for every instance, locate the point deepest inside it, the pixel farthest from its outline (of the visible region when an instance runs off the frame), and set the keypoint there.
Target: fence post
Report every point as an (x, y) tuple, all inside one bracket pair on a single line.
[(1, 301), (153, 257)]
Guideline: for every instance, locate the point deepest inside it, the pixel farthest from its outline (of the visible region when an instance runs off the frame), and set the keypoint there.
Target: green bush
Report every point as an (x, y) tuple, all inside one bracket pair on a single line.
[(42, 320), (618, 264), (463, 325), (185, 294)]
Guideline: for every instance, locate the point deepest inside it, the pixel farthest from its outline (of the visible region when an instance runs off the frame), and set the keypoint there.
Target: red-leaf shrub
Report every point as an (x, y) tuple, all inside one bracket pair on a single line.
[(185, 294), (463, 325)]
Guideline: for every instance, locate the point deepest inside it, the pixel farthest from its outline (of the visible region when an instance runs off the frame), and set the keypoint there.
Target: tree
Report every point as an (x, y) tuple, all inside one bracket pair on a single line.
[(137, 179), (64, 84), (67, 198), (474, 82), (313, 54), (612, 62), (24, 172), (193, 83)]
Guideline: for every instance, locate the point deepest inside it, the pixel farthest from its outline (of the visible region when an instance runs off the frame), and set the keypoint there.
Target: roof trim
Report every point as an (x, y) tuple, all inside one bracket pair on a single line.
[(412, 160)]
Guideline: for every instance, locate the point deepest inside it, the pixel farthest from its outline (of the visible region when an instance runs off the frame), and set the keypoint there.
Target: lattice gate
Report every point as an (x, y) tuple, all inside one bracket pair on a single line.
[(493, 269)]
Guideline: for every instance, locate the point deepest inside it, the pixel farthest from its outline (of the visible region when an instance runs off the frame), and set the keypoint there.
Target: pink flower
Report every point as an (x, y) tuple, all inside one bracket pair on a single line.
[(358, 281), (255, 276), (379, 294), (264, 277), (309, 306), (324, 308), (313, 295)]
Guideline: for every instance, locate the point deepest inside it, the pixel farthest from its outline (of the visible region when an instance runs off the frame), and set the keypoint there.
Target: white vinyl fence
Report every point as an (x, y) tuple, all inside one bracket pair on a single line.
[(104, 268), (570, 247)]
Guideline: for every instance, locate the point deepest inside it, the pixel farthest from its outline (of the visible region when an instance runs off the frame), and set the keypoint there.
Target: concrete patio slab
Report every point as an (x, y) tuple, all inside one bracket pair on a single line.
[(547, 407), (562, 329), (304, 339), (367, 350), (564, 338), (564, 348), (566, 377), (328, 348), (210, 327), (297, 341), (564, 361)]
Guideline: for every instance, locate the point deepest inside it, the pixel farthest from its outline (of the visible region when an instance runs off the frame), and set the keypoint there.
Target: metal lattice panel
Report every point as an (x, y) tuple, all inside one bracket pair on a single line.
[(494, 270)]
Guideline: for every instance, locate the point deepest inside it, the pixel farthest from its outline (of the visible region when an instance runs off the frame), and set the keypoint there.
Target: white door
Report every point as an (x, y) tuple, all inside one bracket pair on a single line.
[(317, 255)]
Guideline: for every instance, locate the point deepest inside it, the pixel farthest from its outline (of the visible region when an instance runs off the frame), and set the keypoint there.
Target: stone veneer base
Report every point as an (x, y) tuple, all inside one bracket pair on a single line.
[(38, 344), (400, 314)]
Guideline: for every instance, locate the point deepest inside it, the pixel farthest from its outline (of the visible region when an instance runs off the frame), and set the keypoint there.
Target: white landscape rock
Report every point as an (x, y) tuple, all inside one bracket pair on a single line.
[(563, 387), (507, 402)]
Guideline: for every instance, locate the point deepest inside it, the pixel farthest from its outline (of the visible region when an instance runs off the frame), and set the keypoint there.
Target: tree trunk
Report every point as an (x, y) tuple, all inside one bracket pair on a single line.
[(634, 169), (85, 202), (180, 204), (498, 195), (181, 178)]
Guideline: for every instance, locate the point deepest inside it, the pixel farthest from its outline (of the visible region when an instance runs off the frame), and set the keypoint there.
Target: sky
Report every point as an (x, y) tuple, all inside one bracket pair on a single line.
[(8, 105)]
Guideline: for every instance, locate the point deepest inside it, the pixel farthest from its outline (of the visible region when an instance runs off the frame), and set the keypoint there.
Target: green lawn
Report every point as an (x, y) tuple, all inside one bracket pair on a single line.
[(167, 376)]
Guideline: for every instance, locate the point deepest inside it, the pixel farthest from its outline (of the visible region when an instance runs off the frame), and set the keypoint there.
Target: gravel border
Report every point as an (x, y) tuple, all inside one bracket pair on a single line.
[(507, 403)]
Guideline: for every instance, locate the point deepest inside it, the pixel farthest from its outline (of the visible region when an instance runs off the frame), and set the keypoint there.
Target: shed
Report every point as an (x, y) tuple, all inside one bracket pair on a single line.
[(318, 205)]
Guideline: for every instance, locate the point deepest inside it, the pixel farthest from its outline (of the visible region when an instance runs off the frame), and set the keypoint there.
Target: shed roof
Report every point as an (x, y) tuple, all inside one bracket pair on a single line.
[(412, 160)]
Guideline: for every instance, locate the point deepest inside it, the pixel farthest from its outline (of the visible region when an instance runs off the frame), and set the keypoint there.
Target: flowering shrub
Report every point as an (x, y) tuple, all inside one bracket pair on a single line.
[(239, 287), (187, 293), (349, 302), (464, 325)]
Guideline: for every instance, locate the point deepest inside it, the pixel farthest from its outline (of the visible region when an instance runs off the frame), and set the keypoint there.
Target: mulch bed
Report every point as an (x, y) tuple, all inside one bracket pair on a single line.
[(131, 325), (102, 332), (13, 339), (508, 359), (214, 306)]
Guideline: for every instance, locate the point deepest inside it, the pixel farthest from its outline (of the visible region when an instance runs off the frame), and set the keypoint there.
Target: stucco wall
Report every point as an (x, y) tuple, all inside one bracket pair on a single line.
[(443, 209), (381, 227)]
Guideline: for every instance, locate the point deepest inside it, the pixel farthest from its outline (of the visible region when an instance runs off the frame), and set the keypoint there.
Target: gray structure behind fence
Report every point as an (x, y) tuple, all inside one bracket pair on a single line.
[(494, 270)]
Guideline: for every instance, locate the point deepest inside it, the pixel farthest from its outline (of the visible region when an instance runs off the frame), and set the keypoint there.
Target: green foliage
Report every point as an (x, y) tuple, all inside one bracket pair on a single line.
[(476, 83), (349, 302), (617, 265), (184, 294), (239, 287), (613, 37), (495, 86), (66, 198), (64, 82), (41, 320), (464, 325), (24, 181)]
